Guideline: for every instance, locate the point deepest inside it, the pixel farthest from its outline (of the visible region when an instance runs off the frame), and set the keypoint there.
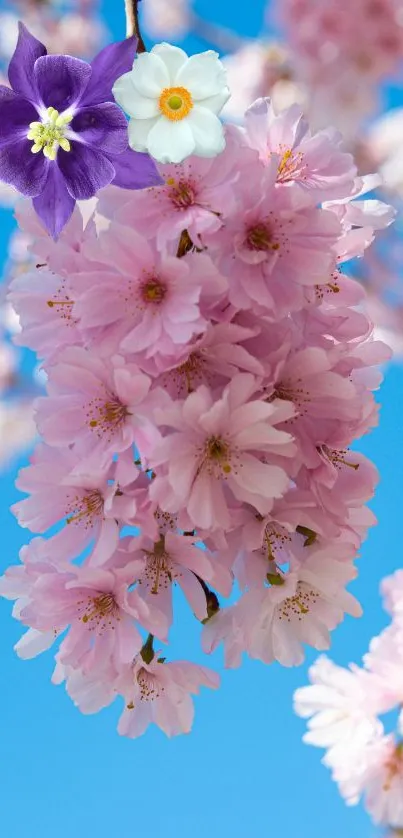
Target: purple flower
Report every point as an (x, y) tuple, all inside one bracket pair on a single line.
[(62, 137)]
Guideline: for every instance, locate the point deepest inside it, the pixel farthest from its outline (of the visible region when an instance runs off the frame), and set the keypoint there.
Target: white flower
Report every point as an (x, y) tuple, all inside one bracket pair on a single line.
[(173, 102), (339, 702)]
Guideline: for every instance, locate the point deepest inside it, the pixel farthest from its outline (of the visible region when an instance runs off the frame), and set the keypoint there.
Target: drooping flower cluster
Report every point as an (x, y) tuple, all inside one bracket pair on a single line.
[(344, 707), (208, 368)]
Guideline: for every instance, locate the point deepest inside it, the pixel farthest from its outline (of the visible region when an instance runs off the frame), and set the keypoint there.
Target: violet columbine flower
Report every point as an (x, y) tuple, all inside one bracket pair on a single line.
[(62, 138)]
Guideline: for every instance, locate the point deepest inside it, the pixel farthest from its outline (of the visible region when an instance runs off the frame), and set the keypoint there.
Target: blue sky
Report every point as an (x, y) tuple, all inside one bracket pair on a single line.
[(243, 771)]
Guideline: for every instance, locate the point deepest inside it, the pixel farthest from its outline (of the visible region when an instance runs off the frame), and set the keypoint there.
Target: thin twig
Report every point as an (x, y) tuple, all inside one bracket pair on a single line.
[(132, 23)]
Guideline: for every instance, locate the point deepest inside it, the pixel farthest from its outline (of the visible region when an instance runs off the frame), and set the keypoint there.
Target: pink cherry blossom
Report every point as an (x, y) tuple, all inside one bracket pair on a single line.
[(339, 705), (384, 785), (43, 301), (314, 162), (346, 705), (87, 502), (299, 606), (92, 403), (220, 448), (174, 559), (147, 305), (98, 605), (275, 248), (159, 693), (196, 196)]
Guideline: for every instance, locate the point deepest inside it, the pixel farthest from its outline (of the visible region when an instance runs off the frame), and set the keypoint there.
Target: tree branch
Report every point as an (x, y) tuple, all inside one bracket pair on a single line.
[(132, 23)]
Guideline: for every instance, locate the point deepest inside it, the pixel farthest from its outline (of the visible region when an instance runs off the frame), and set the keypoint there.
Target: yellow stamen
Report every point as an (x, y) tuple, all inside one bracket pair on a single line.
[(48, 135), (260, 238), (175, 103)]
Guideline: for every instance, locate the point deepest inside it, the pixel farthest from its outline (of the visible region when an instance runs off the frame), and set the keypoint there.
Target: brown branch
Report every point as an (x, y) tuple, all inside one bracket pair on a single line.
[(185, 244), (132, 23)]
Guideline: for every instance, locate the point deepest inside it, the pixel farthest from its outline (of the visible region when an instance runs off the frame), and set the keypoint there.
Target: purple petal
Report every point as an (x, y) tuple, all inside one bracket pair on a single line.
[(61, 80), (107, 66), (24, 170), (55, 205), (21, 67), (103, 126), (15, 115), (85, 170), (135, 170)]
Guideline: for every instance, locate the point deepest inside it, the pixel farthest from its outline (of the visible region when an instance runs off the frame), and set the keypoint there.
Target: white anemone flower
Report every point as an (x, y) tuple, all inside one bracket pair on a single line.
[(173, 102)]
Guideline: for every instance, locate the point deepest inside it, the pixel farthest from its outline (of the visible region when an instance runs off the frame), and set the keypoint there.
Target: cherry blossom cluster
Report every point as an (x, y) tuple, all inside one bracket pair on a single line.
[(346, 706), (208, 367), (327, 45)]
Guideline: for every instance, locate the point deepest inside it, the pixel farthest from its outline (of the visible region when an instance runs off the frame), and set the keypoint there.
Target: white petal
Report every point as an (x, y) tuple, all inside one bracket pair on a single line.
[(33, 642), (216, 103), (203, 75), (150, 75), (133, 102), (139, 130), (208, 132), (124, 90), (173, 58), (171, 142)]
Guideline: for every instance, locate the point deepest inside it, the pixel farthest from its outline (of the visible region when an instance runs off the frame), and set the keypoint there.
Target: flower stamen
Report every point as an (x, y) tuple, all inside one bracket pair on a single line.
[(100, 611), (259, 237), (175, 103), (49, 135)]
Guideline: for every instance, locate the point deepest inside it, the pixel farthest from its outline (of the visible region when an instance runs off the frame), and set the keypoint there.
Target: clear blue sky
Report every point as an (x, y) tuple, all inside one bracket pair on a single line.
[(243, 771)]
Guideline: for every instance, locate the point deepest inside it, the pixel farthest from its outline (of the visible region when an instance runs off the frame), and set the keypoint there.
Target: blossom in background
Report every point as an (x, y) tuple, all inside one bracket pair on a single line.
[(170, 20), (174, 102), (207, 372), (345, 707), (62, 137), (261, 68), (325, 43)]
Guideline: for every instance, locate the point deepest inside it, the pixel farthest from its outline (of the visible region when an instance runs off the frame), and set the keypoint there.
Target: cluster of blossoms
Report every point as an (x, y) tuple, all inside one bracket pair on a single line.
[(317, 71), (208, 367), (333, 61), (325, 41), (345, 706)]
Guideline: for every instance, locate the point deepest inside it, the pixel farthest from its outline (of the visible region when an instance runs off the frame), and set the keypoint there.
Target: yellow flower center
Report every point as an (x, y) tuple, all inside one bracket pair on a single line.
[(175, 103), (86, 509), (48, 135), (99, 612), (218, 451), (260, 237), (291, 166), (153, 291)]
